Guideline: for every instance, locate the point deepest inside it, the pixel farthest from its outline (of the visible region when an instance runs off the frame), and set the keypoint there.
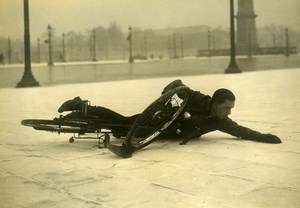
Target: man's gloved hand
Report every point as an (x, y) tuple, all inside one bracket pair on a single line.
[(269, 138)]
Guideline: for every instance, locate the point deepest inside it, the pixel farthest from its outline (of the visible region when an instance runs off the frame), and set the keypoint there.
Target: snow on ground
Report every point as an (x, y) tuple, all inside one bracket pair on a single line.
[(40, 169)]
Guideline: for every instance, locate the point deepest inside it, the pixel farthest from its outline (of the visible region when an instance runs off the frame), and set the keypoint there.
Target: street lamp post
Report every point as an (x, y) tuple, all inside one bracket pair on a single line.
[(130, 45), (233, 67), (9, 50), (49, 41), (63, 48), (169, 47), (107, 48), (107, 51), (27, 79), (175, 50), (182, 47), (249, 46), (287, 52), (38, 51), (94, 46), (208, 41), (274, 40), (146, 47)]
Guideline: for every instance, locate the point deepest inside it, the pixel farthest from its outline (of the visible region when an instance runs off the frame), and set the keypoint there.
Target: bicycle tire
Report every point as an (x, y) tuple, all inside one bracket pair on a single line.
[(57, 125), (143, 132)]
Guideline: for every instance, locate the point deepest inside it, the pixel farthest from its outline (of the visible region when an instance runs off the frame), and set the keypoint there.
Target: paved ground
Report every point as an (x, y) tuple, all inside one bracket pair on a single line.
[(40, 169)]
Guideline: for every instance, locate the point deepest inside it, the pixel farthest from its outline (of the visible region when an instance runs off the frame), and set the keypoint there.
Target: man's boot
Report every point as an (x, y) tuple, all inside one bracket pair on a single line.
[(71, 105)]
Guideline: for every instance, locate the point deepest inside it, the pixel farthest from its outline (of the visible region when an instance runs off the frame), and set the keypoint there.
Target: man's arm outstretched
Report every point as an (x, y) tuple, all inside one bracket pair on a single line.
[(242, 132)]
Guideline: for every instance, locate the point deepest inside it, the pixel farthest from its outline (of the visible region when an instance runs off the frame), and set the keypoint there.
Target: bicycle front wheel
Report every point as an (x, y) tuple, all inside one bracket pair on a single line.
[(157, 117)]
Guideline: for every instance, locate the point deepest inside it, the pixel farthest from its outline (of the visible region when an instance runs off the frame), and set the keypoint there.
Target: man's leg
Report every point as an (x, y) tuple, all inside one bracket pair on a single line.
[(108, 114), (123, 123), (101, 112)]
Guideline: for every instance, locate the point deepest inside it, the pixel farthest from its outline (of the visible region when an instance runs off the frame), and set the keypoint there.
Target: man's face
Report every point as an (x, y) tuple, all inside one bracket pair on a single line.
[(223, 110)]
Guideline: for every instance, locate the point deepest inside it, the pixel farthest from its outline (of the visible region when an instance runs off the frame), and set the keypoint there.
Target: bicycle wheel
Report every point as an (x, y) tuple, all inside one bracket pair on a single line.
[(157, 117), (57, 125)]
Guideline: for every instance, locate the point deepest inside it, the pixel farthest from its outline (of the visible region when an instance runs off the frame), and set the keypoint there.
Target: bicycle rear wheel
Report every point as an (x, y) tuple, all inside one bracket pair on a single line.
[(57, 125), (157, 117)]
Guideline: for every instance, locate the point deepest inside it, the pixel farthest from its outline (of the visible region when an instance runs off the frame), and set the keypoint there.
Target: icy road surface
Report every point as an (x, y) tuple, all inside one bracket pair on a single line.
[(40, 169)]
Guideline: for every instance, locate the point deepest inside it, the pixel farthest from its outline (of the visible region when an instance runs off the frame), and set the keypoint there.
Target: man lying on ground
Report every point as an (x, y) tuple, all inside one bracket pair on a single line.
[(206, 114)]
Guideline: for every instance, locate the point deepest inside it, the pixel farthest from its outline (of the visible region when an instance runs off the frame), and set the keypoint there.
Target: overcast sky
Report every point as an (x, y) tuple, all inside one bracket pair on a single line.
[(83, 15)]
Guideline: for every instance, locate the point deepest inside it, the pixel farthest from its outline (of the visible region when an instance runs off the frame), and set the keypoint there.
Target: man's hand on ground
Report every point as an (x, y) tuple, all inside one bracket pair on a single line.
[(270, 138)]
